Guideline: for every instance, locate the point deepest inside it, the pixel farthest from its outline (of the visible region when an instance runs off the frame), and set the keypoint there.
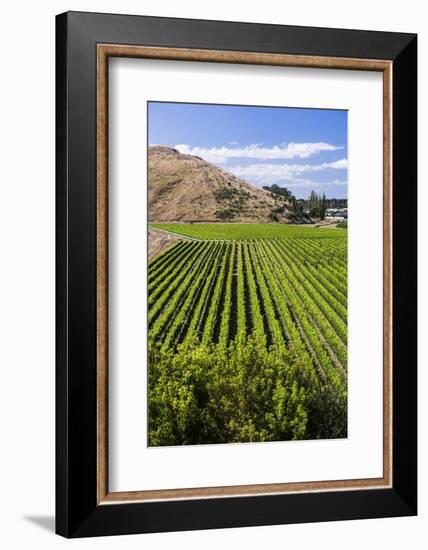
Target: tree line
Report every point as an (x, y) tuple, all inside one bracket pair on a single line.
[(314, 207)]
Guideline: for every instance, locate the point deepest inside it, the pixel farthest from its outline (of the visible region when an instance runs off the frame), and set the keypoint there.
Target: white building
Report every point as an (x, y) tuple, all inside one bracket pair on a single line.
[(336, 213)]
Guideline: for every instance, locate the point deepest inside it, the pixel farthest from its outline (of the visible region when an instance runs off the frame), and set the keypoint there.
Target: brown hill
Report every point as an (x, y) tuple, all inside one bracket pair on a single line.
[(186, 188)]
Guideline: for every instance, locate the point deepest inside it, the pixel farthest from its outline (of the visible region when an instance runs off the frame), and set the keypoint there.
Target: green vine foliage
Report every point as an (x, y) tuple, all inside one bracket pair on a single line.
[(248, 337), (200, 394)]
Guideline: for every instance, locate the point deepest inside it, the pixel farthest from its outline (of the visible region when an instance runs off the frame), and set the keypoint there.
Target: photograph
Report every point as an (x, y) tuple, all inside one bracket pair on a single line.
[(247, 281), (199, 351), (229, 352)]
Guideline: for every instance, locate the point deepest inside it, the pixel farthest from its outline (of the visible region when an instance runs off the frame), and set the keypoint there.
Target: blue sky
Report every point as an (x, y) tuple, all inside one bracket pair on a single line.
[(302, 149)]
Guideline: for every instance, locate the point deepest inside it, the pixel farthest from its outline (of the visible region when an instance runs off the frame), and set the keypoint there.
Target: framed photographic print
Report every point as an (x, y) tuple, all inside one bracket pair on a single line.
[(236, 274)]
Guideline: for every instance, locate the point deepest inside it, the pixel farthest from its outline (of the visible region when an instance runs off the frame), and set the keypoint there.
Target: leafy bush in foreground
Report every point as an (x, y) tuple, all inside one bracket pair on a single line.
[(209, 394)]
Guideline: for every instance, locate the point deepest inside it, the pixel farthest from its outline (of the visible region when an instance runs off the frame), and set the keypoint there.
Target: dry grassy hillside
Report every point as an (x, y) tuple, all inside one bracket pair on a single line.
[(159, 242), (186, 188)]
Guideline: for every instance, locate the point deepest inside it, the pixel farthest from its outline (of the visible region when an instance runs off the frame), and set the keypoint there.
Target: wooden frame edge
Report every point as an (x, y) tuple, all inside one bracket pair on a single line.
[(241, 57), (102, 275), (387, 275), (104, 51)]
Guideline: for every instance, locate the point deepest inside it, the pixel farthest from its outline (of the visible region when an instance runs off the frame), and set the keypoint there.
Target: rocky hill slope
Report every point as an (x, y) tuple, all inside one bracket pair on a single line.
[(186, 188)]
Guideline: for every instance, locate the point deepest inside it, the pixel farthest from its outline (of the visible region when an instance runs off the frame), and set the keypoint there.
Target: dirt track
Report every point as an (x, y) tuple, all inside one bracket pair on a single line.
[(159, 241)]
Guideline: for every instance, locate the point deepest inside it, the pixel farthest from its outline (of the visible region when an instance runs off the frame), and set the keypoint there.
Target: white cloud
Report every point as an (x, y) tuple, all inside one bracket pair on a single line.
[(220, 155), (342, 163), (301, 183), (271, 172), (338, 182)]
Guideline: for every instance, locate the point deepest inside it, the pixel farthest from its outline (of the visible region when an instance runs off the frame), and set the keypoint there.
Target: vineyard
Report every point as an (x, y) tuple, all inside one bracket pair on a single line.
[(248, 336), (245, 231)]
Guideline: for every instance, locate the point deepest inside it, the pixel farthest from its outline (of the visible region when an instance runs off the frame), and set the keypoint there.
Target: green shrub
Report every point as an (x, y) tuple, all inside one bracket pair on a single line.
[(224, 193), (209, 394), (225, 214)]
